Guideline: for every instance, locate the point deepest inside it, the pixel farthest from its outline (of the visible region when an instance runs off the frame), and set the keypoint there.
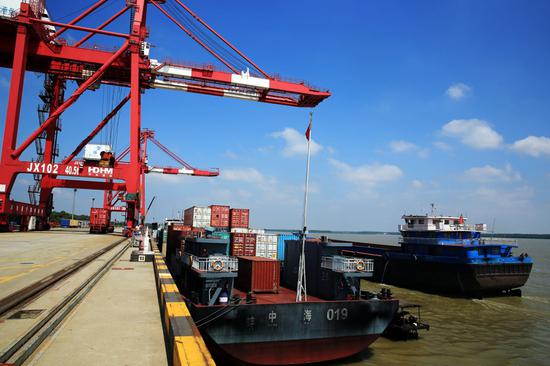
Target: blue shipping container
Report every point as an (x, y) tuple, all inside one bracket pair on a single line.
[(281, 244), (64, 222)]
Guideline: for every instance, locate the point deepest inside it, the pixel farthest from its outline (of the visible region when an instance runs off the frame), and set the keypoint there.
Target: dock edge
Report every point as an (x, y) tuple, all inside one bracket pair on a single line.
[(184, 340)]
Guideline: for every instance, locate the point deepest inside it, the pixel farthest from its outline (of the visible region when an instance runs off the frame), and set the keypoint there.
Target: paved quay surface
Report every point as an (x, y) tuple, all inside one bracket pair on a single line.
[(118, 323), (28, 257), (13, 328), (133, 315)]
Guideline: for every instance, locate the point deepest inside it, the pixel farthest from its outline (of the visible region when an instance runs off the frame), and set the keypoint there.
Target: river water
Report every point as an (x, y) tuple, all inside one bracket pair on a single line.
[(491, 331)]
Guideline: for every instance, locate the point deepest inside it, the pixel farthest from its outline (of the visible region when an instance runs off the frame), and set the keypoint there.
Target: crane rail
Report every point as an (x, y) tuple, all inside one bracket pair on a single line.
[(23, 346)]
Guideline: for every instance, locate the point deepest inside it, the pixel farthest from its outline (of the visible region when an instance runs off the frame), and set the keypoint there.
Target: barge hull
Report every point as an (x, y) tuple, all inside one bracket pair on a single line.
[(296, 352), (294, 333), (458, 278)]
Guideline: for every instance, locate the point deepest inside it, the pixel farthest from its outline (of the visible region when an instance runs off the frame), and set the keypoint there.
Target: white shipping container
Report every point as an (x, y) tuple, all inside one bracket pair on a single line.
[(266, 246), (247, 230), (93, 152), (241, 230), (197, 216)]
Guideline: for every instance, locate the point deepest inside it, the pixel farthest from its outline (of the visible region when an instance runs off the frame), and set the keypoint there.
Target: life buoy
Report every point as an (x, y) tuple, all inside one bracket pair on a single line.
[(360, 265), (217, 265)]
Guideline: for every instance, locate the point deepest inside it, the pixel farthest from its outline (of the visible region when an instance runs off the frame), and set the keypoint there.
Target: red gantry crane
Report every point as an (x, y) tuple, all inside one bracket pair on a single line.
[(31, 41), (111, 199)]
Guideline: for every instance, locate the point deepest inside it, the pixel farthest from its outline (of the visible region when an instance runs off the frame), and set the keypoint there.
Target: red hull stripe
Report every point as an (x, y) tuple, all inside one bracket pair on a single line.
[(297, 352)]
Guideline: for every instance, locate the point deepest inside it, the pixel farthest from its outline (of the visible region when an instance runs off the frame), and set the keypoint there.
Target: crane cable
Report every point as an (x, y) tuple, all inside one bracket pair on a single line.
[(198, 30), (110, 97)]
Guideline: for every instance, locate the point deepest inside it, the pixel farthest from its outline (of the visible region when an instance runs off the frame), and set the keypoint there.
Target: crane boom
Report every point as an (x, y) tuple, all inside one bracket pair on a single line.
[(30, 41)]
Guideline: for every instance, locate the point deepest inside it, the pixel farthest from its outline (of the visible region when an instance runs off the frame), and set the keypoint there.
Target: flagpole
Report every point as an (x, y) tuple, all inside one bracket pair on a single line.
[(301, 288)]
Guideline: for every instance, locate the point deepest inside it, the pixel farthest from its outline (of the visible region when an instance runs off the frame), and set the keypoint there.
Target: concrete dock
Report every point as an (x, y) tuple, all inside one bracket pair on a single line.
[(123, 320), (27, 257)]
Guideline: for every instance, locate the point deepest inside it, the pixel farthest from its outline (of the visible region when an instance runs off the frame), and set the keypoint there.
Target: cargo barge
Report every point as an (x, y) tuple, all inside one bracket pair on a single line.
[(442, 254), (246, 308)]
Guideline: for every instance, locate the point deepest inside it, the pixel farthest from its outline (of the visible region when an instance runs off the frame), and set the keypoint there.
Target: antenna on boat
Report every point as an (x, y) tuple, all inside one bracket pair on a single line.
[(301, 288), (433, 208)]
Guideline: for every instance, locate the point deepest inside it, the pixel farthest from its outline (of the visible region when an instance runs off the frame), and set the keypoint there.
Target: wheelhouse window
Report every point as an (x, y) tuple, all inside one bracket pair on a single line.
[(446, 222), (421, 221)]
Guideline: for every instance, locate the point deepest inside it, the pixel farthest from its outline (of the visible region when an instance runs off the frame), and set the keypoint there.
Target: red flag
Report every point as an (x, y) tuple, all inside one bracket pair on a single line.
[(308, 131)]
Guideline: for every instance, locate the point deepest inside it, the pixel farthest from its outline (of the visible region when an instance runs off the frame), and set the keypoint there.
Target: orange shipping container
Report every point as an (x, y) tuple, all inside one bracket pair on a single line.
[(219, 216), (243, 244), (258, 274), (180, 227), (239, 217)]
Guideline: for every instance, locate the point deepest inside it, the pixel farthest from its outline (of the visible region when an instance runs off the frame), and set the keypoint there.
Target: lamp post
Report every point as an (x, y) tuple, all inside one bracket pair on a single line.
[(74, 199)]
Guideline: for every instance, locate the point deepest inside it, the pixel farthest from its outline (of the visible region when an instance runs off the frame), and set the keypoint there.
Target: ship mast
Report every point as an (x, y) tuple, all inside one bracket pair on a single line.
[(301, 287)]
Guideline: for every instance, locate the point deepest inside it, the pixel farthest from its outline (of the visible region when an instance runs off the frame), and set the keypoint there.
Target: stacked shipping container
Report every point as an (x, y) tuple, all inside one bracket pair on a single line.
[(224, 222), (266, 246), (197, 216), (247, 230), (176, 237), (281, 238), (243, 244), (219, 216), (239, 217)]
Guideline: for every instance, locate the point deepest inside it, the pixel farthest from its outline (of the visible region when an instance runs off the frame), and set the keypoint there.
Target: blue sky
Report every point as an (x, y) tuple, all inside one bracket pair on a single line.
[(443, 102)]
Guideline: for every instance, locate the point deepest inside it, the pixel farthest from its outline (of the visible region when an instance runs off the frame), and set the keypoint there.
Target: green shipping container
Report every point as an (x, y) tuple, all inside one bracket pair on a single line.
[(221, 235)]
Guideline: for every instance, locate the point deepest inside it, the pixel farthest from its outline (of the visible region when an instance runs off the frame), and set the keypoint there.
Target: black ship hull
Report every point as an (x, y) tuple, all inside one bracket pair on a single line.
[(450, 278), (293, 333)]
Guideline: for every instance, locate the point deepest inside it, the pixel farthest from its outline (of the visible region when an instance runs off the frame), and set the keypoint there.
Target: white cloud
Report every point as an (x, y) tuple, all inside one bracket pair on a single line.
[(230, 154), (417, 184), (401, 146), (252, 183), (489, 173), (473, 132), (518, 197), (423, 153), (367, 175), (296, 143), (248, 175), (442, 145), (458, 91), (532, 145)]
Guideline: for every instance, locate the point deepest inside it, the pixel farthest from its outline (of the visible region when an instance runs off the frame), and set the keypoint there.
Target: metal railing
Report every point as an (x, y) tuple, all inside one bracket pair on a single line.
[(455, 241), (347, 264), (441, 227), (214, 263)]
